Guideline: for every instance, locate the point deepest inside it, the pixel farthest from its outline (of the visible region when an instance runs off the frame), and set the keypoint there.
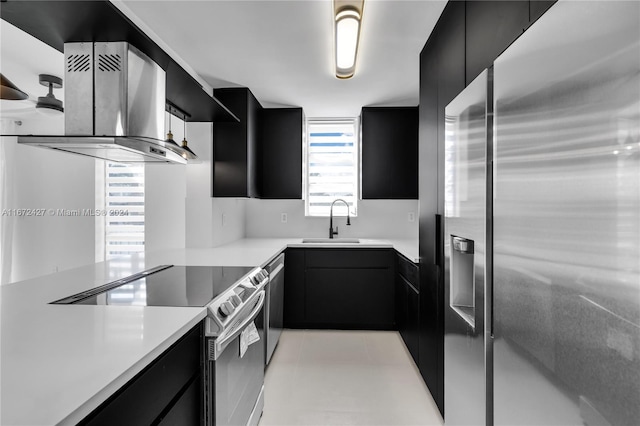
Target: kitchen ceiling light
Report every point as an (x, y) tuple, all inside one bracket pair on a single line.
[(188, 154), (10, 91), (48, 104), (347, 33), (169, 138)]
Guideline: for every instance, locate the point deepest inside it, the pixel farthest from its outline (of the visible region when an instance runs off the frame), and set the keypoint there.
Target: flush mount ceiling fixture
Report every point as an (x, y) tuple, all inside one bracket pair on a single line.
[(49, 104), (348, 17)]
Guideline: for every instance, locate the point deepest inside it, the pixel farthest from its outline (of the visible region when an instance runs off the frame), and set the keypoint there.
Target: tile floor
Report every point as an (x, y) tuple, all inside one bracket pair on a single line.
[(327, 377)]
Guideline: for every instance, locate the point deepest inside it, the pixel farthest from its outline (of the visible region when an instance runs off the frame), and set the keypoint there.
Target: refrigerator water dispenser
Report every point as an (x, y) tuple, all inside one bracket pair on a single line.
[(462, 279)]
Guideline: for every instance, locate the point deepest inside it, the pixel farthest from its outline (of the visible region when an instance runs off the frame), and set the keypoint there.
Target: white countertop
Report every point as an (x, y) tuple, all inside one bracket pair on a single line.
[(259, 251), (58, 363)]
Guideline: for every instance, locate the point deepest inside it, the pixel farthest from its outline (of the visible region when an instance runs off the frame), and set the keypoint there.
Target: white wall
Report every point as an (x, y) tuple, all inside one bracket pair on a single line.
[(164, 202), (376, 219), (36, 178), (229, 220), (210, 222)]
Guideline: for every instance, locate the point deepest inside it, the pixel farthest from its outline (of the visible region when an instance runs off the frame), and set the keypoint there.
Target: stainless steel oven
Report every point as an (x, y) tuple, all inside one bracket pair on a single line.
[(234, 371)]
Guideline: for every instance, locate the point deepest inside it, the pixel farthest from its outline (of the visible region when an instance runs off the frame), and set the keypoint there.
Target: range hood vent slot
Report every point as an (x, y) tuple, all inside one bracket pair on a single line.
[(109, 62), (79, 63)]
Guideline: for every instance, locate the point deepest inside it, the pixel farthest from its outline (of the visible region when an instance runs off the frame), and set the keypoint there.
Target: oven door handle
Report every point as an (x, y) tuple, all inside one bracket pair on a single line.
[(227, 337)]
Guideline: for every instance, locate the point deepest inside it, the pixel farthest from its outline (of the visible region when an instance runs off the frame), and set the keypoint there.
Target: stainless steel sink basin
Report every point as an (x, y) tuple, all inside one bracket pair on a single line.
[(330, 241)]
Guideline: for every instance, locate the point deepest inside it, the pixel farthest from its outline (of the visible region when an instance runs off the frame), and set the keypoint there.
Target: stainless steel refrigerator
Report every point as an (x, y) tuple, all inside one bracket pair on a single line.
[(562, 314), (467, 184)]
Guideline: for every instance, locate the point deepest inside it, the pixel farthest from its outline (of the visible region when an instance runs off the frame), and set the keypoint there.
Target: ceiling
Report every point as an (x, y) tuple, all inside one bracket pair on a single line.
[(23, 70), (283, 50)]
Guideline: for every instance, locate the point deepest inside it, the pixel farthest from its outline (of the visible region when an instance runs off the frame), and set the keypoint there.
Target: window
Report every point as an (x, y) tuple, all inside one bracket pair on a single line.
[(122, 226), (331, 166)]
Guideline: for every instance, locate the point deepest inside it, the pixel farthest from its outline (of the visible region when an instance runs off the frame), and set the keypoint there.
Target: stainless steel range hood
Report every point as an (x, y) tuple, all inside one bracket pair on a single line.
[(114, 106)]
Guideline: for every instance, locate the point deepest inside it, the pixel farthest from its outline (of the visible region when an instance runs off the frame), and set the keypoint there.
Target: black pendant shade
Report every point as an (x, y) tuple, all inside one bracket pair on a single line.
[(188, 153)]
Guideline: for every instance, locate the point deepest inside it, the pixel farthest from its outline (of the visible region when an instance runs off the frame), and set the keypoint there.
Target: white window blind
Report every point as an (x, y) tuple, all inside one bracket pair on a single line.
[(124, 205), (332, 166)]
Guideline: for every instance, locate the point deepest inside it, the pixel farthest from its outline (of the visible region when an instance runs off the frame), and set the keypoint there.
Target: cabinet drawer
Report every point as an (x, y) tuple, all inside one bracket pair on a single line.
[(142, 400), (187, 410), (409, 271), (348, 258)]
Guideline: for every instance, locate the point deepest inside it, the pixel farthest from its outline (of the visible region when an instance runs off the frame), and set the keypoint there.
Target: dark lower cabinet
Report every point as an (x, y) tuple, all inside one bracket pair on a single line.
[(349, 298), (167, 392), (340, 289), (294, 288), (186, 410), (408, 305)]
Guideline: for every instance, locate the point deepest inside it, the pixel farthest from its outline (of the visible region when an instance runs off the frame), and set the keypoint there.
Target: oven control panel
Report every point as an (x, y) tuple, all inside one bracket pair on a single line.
[(225, 308)]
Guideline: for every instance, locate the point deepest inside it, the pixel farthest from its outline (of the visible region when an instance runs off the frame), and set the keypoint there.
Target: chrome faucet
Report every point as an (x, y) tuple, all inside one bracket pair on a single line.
[(331, 231)]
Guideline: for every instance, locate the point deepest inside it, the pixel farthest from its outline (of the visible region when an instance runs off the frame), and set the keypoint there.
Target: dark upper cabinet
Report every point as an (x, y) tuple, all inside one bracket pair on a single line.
[(389, 152), (281, 153), (491, 26), (537, 8), (235, 146)]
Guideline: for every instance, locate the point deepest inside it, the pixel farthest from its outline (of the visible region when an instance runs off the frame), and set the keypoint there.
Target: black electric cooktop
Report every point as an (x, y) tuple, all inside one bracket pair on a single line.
[(173, 286)]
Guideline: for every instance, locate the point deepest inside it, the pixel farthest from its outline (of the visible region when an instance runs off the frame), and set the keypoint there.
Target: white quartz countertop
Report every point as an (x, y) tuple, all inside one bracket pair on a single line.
[(59, 362), (259, 251)]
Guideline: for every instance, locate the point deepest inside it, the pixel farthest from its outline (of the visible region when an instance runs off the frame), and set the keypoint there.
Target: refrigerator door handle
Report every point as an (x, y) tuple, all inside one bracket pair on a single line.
[(439, 242)]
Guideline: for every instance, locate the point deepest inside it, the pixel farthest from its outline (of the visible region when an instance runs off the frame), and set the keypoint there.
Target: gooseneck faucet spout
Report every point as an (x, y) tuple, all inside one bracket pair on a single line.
[(331, 231)]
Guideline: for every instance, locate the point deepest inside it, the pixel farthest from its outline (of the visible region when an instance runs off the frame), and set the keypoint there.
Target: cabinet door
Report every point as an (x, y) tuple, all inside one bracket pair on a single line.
[(187, 410), (401, 307), (235, 157), (281, 152), (349, 298), (413, 321), (390, 153), (294, 300), (407, 284)]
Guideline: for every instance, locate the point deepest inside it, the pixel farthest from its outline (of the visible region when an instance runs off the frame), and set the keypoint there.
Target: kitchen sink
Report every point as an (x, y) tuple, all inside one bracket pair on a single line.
[(330, 241)]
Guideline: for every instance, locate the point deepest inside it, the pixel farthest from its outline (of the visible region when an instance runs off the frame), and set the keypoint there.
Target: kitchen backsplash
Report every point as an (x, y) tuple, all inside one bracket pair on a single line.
[(376, 219)]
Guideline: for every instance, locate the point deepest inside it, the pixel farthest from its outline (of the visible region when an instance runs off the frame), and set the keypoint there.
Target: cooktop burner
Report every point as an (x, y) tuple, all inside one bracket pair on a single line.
[(173, 286)]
